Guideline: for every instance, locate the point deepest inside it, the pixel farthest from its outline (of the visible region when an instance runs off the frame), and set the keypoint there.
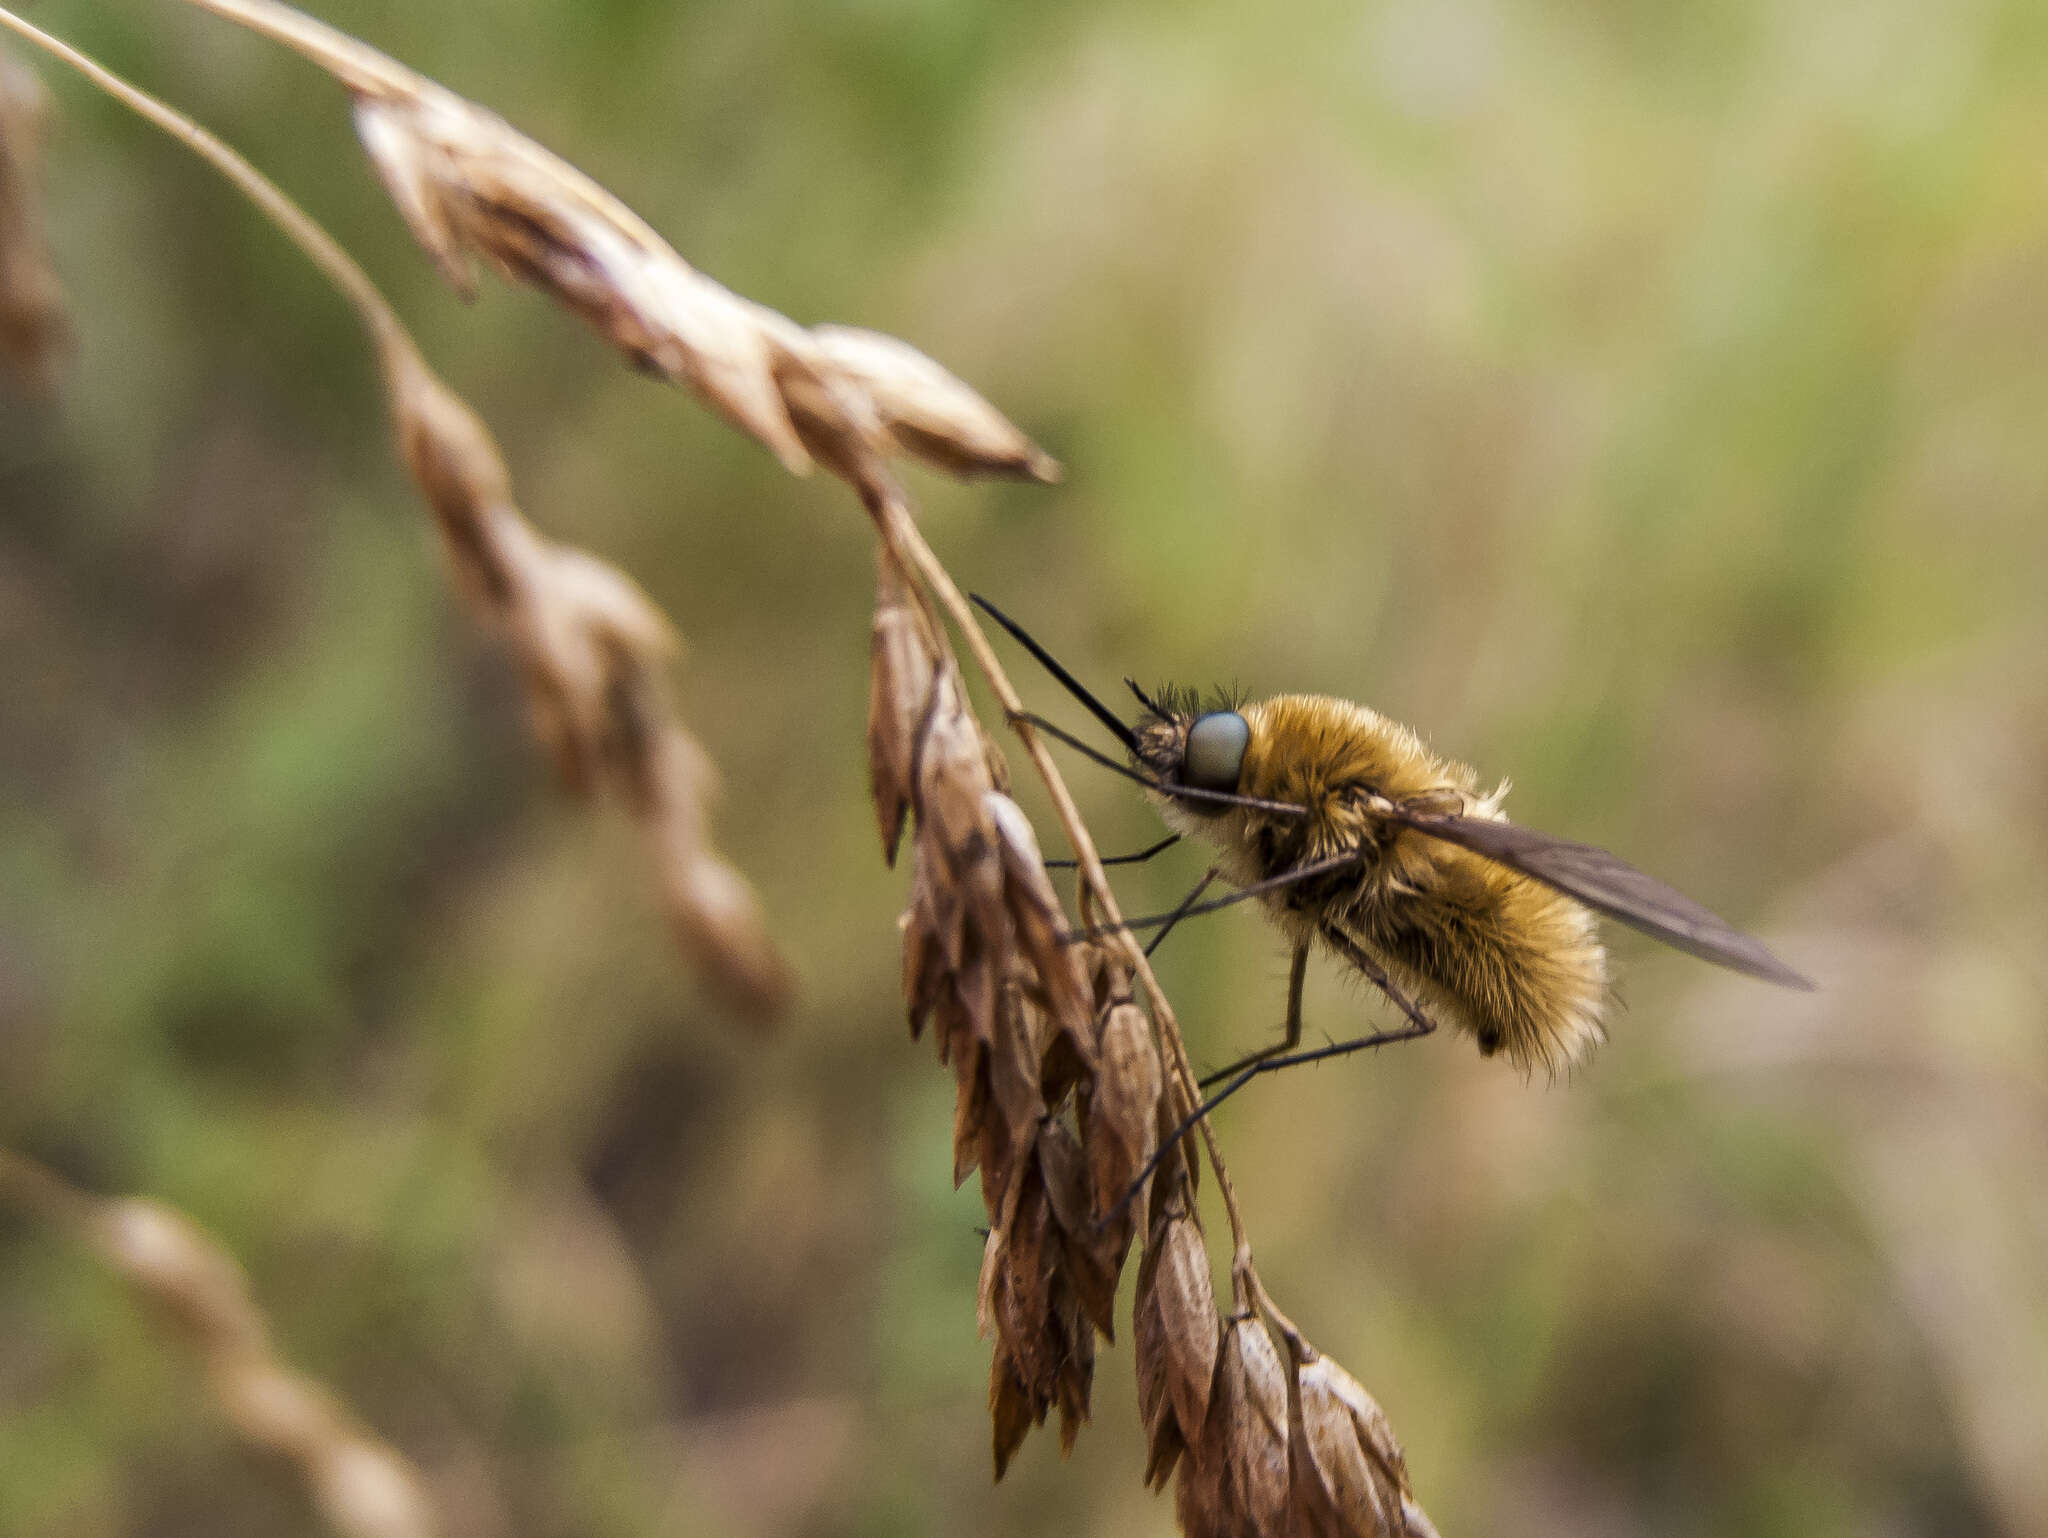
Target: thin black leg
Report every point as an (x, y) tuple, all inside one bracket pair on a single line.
[(1122, 859), (1179, 913), (1362, 959), (1419, 1025), (1266, 1065)]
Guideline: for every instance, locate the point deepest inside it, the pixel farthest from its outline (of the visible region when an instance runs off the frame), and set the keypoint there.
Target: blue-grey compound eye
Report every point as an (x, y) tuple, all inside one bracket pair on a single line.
[(1215, 755)]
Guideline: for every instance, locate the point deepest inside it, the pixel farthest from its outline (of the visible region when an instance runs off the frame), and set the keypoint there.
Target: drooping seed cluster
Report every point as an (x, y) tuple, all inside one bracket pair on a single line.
[(593, 650), (1061, 1101), (470, 185), (987, 970), (363, 1486), (1065, 1085), (1289, 1443), (34, 327), (1061, 1095)]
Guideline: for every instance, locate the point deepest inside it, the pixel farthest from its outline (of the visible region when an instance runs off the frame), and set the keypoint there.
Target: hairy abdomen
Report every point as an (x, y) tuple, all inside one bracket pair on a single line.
[(1516, 964)]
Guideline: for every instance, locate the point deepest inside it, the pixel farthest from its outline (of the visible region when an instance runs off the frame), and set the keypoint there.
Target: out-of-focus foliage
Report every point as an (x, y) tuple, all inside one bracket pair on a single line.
[(1643, 400)]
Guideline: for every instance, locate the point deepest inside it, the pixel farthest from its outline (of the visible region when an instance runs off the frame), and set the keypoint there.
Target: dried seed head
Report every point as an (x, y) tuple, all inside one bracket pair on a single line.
[(1090, 1257), (1023, 1291), (1041, 928), (954, 826), (710, 906), (468, 183), (1011, 1410), (959, 944), (455, 461), (34, 326), (1348, 1478), (592, 648), (1233, 1483), (1175, 1181)]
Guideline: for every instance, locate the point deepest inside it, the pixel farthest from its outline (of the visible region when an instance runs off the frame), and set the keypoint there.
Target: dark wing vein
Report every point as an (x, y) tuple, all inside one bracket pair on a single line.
[(1609, 885)]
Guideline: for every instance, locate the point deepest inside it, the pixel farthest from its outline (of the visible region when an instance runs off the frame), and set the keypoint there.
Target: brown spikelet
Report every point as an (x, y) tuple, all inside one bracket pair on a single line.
[(1013, 1059), (962, 967), (973, 1131), (1044, 1342), (1174, 1183), (34, 325), (928, 413), (1011, 1410), (956, 841), (593, 650), (1174, 1334), (1233, 1481), (1041, 930), (1089, 1261), (1348, 1477), (902, 662), (1119, 1118)]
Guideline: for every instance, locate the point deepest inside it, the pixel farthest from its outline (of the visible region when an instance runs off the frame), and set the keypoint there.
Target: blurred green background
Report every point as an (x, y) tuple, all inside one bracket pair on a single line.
[(1645, 401)]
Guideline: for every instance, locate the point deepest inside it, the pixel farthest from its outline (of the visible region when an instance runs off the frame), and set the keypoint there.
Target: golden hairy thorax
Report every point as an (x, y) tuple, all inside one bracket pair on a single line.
[(1518, 965)]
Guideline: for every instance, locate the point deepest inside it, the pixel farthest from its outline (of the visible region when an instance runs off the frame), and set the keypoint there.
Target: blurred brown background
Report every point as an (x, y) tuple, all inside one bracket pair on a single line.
[(1644, 401)]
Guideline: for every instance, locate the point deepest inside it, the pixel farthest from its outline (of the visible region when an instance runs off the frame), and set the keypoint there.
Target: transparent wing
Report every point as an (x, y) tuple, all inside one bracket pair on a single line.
[(1609, 885)]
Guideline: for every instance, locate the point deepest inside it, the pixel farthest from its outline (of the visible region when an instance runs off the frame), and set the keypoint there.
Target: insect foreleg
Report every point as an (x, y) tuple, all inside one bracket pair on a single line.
[(1187, 903), (1139, 858), (1286, 878)]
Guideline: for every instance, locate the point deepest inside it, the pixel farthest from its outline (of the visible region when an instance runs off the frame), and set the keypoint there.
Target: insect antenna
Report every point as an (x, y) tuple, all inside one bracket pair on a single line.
[(1122, 732), (1067, 681)]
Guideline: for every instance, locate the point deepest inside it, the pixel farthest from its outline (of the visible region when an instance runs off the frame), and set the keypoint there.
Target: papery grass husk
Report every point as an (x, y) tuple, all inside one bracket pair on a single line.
[(472, 187)]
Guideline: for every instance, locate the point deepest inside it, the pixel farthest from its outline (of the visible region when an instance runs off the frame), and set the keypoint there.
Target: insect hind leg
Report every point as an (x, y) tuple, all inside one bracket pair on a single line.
[(1376, 974), (1281, 1054)]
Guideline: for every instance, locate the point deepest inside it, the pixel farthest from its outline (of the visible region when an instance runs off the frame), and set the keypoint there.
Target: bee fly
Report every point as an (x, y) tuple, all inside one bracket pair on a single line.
[(1357, 838)]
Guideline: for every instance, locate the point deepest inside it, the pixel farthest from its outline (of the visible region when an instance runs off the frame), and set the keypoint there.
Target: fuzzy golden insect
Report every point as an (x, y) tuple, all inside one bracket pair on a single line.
[(1357, 839)]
